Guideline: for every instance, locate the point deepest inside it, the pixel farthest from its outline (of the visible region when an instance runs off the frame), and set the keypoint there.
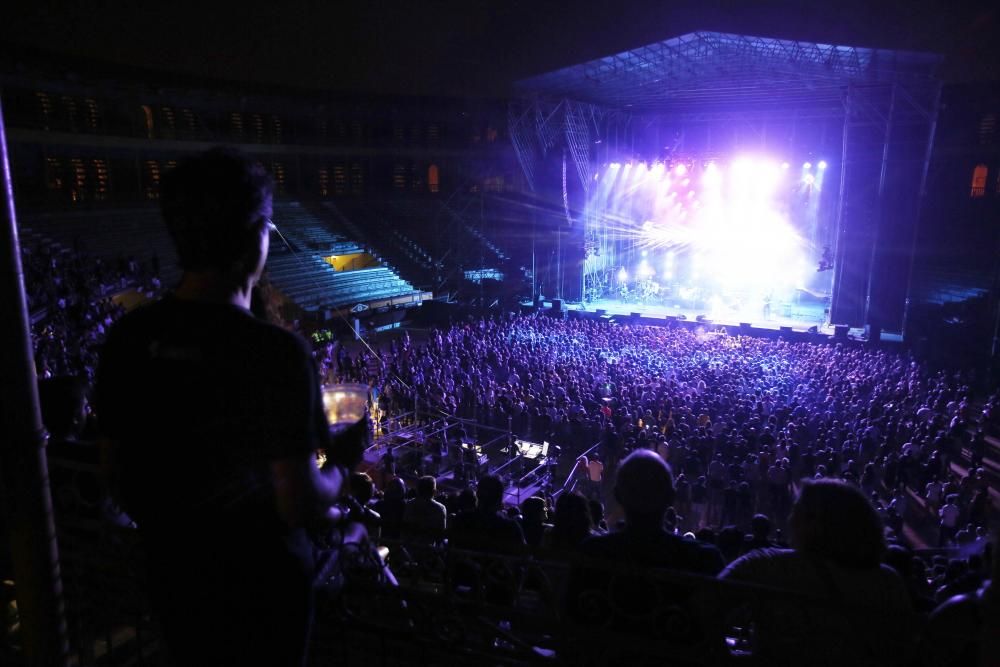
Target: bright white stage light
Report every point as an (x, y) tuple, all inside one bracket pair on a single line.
[(742, 164), (644, 253), (807, 165), (822, 164), (711, 177), (733, 235)]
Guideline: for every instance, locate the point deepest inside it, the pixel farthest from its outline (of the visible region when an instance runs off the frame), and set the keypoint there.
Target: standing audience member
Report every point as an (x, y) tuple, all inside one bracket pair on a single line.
[(214, 419)]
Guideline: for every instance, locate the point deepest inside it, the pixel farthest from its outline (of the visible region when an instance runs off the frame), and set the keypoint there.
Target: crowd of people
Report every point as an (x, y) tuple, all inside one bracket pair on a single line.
[(739, 420), (822, 469), (69, 296)]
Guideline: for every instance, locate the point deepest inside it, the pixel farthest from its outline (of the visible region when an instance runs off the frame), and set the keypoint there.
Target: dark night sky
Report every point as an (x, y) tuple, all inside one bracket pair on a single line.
[(475, 47)]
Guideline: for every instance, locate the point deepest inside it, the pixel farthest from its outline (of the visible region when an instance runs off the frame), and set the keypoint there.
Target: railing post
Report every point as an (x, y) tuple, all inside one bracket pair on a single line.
[(25, 498)]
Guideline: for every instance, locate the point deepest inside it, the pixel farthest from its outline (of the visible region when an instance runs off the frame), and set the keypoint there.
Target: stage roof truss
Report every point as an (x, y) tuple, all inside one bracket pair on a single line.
[(705, 72)]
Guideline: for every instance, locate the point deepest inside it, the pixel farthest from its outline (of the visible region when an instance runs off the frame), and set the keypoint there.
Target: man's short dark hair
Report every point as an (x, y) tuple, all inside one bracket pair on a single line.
[(209, 202), (645, 485), (490, 492), (426, 486)]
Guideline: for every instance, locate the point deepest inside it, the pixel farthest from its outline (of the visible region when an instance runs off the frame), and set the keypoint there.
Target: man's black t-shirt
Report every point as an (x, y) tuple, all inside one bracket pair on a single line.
[(198, 399)]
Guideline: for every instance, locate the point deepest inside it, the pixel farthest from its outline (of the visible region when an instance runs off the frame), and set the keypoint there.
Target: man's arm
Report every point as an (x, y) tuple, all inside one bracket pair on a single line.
[(304, 493)]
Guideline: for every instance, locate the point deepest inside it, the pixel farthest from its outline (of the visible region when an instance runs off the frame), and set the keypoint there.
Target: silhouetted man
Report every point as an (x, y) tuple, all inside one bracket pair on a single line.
[(214, 418)]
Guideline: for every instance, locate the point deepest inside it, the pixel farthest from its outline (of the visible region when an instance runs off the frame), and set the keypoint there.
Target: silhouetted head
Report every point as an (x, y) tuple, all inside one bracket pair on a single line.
[(834, 520), (644, 486), (426, 487), (490, 493), (217, 206), (362, 487)]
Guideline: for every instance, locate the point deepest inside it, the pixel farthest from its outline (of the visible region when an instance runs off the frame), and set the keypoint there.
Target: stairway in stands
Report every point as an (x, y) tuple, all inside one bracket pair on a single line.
[(387, 237), (302, 275)]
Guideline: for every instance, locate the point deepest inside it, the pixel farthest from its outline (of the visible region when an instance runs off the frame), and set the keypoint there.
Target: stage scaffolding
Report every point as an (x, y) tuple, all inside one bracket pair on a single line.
[(707, 95)]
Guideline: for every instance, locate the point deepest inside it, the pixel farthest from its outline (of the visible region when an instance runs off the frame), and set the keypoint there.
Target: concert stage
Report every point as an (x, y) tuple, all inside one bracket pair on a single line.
[(732, 180), (800, 317), (794, 320)]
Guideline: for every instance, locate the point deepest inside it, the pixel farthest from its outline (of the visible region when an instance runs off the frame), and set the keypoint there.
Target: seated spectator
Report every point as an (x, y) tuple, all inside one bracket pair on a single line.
[(486, 528), (628, 595), (760, 530), (597, 516), (424, 517), (533, 524), (571, 525), (838, 545), (391, 508), (362, 489), (645, 489)]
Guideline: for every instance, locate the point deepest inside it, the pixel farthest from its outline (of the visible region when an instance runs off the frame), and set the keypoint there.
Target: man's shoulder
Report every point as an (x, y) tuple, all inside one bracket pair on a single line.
[(751, 564), (664, 551), (136, 320)]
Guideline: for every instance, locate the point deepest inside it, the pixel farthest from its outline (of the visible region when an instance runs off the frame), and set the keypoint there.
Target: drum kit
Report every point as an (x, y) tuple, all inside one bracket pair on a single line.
[(644, 291)]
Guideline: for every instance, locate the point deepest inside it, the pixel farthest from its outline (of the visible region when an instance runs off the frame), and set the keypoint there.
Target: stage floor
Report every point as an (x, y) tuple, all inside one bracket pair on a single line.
[(798, 316)]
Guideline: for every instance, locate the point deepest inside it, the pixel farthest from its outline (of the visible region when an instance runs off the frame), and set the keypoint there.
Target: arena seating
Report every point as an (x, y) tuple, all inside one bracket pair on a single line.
[(412, 231), (300, 272), (111, 234), (390, 244)]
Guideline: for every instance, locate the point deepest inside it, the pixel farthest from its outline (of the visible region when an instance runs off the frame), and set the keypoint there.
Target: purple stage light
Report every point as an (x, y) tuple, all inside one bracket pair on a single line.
[(736, 235)]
